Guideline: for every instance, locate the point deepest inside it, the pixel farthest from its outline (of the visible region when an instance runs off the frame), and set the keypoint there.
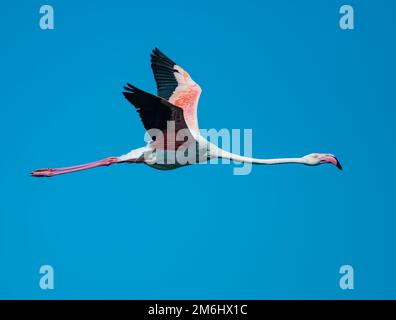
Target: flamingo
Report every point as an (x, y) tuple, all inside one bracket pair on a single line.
[(176, 100)]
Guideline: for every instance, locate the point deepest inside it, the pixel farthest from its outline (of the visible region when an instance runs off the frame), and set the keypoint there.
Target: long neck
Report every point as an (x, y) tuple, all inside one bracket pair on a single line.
[(232, 156)]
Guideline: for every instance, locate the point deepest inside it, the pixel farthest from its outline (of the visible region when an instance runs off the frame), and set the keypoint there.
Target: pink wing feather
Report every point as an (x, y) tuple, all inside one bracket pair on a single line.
[(175, 85)]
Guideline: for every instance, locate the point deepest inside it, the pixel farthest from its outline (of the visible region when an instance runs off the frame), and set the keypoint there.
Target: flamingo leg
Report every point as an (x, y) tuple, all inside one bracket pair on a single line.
[(49, 172)]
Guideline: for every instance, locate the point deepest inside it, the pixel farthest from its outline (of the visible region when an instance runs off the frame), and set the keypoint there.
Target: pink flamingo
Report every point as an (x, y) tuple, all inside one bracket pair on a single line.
[(177, 101)]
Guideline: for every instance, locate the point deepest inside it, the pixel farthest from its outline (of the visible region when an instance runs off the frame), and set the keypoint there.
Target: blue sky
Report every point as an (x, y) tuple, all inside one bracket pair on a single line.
[(284, 69)]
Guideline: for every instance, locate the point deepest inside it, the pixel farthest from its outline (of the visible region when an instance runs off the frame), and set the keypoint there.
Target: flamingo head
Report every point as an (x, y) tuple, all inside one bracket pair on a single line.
[(315, 159)]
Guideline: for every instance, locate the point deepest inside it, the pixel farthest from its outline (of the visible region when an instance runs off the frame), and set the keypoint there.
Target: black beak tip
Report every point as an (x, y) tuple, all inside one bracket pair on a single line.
[(338, 165)]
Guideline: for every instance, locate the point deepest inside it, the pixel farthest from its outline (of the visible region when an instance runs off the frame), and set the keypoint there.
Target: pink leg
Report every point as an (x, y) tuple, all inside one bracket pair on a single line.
[(54, 172)]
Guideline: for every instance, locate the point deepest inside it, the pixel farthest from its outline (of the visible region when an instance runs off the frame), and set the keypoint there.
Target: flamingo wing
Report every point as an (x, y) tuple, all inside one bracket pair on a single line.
[(175, 85), (155, 112), (164, 74)]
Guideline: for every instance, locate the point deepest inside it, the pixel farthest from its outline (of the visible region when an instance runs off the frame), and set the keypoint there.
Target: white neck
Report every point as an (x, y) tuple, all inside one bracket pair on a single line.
[(227, 155)]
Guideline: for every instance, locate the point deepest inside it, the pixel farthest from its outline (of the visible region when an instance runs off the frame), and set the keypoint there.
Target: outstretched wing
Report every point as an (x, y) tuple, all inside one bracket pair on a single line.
[(155, 112), (164, 74), (175, 85)]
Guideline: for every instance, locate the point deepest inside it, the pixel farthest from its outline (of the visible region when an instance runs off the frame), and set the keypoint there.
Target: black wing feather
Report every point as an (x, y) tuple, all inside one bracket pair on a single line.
[(154, 111), (164, 74)]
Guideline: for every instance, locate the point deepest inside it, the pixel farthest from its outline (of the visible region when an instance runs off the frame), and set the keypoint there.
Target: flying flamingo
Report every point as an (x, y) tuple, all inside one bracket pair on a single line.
[(176, 100)]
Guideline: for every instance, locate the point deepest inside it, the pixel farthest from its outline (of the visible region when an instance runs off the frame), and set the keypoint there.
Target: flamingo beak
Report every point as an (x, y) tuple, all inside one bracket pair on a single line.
[(338, 165), (333, 160)]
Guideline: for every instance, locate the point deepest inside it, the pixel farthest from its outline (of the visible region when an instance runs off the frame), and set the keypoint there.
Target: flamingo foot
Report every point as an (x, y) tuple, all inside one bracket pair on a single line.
[(40, 173)]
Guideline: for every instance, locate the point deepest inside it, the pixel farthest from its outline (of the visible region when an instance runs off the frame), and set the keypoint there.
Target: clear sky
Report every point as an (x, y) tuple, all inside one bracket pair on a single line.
[(285, 69)]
